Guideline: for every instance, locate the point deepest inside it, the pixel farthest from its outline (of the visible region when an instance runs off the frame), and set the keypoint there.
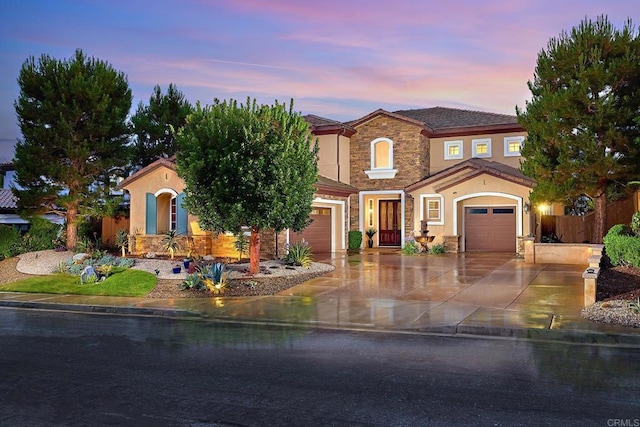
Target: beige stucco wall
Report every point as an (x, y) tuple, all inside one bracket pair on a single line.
[(483, 190), (333, 157), (154, 181), (439, 163)]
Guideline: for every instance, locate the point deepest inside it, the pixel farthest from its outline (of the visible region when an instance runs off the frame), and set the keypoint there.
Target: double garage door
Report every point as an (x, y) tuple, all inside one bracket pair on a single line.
[(318, 234), (490, 229)]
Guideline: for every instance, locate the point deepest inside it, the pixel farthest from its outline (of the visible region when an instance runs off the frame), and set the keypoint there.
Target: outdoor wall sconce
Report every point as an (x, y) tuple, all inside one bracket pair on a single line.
[(527, 207)]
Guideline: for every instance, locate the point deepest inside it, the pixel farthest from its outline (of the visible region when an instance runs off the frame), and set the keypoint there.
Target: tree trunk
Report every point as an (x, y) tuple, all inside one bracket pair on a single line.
[(254, 251), (72, 228), (600, 217)]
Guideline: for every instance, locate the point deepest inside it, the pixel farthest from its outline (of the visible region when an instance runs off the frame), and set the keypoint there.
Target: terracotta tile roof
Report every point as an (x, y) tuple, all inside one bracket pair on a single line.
[(7, 199), (476, 166), (443, 121), (321, 125), (438, 118), (328, 185)]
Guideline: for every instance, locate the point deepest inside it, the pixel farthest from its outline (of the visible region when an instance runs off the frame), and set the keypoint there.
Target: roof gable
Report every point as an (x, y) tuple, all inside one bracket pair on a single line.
[(169, 163), (475, 167)]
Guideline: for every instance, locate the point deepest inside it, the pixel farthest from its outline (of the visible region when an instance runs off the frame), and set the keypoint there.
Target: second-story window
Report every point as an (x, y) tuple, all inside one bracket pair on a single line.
[(382, 154), (481, 147), (381, 159), (512, 145), (452, 150)]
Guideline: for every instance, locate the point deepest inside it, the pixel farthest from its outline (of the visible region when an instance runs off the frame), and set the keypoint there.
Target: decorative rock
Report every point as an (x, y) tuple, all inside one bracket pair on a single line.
[(208, 258), (79, 257), (150, 255), (86, 273)]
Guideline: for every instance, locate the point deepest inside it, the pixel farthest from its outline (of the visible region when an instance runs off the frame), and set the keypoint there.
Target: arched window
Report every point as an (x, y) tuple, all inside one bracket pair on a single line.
[(381, 159)]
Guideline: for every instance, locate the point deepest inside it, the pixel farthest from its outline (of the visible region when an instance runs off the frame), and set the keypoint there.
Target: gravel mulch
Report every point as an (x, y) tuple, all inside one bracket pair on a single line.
[(275, 276), (617, 288)]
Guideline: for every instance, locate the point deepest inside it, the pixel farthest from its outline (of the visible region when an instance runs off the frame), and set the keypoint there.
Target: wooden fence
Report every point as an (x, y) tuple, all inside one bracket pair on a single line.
[(579, 229), (110, 225)]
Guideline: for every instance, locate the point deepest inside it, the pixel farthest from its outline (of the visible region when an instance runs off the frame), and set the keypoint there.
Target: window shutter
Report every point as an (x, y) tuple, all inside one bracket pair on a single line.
[(151, 216), (181, 215)]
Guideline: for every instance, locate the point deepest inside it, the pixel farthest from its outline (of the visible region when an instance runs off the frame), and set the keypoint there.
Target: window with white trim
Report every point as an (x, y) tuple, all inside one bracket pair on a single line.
[(382, 153), (453, 150), (481, 147), (381, 159), (513, 145), (432, 208)]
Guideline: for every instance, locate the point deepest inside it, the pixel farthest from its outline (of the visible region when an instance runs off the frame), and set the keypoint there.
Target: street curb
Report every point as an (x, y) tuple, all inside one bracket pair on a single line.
[(103, 309), (535, 334)]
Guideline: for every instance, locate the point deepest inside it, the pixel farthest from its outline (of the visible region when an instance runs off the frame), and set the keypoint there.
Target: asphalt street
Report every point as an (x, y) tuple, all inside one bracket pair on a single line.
[(61, 368)]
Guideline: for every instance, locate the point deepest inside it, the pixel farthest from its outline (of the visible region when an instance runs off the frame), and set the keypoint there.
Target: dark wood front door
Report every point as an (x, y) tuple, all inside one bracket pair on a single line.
[(390, 230)]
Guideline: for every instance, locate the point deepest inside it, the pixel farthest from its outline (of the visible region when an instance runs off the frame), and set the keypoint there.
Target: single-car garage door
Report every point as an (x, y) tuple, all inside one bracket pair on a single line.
[(318, 234), (491, 229)]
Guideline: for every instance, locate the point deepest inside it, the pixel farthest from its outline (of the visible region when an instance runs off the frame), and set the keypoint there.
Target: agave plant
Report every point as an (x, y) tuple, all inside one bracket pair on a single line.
[(170, 241), (214, 277), (299, 254)]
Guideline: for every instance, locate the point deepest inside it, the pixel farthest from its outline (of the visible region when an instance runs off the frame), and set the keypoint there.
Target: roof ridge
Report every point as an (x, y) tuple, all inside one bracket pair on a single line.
[(458, 109)]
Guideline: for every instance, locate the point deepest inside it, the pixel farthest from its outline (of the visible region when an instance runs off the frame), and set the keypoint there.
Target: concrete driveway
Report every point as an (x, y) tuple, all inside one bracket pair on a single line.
[(469, 293)]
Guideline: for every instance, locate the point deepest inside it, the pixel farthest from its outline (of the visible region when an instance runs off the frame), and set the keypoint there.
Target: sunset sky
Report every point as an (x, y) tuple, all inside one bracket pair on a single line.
[(337, 59)]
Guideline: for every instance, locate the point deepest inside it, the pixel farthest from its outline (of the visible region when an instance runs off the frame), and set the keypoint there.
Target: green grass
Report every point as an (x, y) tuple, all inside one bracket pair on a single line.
[(122, 283)]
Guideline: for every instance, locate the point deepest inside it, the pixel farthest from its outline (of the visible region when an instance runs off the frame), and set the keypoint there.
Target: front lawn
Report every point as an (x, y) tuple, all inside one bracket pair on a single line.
[(122, 283)]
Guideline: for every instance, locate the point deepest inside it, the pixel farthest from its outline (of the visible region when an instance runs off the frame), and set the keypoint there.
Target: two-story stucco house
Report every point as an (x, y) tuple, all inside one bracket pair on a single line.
[(455, 169)]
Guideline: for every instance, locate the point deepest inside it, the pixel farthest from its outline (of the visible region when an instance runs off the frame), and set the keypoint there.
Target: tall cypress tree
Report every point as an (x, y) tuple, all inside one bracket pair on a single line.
[(155, 125), (582, 134), (72, 114)]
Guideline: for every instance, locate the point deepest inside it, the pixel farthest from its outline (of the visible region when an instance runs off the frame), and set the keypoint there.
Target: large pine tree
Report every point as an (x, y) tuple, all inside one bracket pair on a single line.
[(72, 114), (582, 134), (155, 125), (248, 165)]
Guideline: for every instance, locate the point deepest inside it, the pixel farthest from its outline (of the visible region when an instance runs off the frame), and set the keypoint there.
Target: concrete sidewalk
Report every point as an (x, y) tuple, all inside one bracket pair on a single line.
[(474, 293)]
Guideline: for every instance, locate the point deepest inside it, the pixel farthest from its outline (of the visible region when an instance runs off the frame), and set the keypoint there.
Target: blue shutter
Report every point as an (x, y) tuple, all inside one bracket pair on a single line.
[(181, 215), (151, 216)]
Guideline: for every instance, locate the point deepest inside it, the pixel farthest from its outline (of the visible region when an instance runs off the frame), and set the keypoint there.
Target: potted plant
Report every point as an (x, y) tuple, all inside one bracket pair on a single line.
[(370, 233), (176, 269)]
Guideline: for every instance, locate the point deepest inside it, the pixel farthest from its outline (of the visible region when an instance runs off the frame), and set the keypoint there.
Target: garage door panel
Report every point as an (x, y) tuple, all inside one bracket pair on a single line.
[(318, 233), (490, 229)]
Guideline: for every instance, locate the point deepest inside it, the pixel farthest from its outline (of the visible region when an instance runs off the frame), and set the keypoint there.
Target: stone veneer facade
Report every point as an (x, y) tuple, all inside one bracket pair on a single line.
[(410, 158)]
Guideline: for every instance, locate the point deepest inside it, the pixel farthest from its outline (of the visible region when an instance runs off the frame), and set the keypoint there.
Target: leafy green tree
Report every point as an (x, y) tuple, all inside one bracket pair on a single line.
[(582, 137), (248, 165), (154, 125), (72, 114)]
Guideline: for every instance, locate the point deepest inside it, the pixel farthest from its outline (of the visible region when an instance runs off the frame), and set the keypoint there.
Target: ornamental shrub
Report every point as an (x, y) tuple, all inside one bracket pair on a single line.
[(10, 241), (622, 247), (41, 235), (355, 240), (410, 247), (299, 254), (438, 249), (635, 224)]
